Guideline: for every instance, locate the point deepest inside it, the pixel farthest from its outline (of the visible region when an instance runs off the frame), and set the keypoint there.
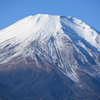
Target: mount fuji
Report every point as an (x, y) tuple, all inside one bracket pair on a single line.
[(46, 57)]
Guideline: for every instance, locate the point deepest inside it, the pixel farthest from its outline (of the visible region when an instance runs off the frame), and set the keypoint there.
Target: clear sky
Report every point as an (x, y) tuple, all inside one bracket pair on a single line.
[(14, 10)]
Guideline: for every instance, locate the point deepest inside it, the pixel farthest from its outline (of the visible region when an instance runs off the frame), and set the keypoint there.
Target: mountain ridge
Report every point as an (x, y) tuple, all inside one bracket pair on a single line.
[(57, 39), (46, 57)]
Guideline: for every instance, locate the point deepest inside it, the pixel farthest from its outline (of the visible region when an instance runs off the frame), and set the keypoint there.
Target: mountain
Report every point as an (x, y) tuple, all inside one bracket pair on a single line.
[(46, 57)]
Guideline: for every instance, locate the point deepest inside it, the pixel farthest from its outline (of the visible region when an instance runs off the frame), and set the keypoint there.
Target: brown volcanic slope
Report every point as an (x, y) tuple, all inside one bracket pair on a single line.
[(34, 79)]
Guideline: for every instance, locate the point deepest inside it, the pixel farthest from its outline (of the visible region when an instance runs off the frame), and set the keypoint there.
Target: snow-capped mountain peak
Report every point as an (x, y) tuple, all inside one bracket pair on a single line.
[(67, 43)]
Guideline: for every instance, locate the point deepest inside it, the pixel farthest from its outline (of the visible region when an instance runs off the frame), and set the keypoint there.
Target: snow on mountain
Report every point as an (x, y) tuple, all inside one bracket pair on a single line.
[(83, 30), (65, 42)]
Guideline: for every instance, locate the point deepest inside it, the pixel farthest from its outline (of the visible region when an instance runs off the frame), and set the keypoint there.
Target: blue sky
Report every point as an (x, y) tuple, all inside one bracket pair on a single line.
[(13, 10)]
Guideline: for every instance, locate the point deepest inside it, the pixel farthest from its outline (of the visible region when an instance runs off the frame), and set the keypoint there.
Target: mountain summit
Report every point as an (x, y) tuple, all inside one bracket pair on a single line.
[(64, 44)]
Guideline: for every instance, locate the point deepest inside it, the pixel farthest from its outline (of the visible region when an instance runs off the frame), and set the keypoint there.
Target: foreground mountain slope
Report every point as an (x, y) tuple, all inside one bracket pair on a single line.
[(46, 57), (21, 81)]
